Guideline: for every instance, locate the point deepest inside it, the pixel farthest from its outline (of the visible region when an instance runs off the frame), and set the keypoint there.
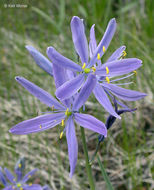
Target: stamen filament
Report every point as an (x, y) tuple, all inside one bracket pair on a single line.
[(52, 108)]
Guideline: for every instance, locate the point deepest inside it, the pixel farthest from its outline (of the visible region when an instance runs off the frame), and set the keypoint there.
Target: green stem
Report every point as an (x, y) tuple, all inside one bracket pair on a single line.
[(104, 174), (88, 166)]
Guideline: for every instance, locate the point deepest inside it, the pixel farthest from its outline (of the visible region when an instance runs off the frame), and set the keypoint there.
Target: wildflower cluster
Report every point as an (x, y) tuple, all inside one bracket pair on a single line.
[(75, 83), (20, 181)]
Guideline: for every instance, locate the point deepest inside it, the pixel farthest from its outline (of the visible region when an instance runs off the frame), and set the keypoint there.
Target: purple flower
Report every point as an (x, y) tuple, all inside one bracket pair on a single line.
[(112, 68), (65, 113), (103, 86), (18, 182), (40, 59)]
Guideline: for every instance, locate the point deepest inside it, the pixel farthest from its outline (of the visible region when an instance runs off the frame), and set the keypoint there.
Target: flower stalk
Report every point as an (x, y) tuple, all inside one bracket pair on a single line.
[(88, 166)]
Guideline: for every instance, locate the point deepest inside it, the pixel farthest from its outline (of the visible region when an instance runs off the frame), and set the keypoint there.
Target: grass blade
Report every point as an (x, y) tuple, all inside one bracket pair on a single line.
[(104, 174)]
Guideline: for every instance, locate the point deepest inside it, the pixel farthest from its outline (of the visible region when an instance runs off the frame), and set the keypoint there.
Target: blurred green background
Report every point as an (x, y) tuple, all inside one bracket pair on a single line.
[(127, 153)]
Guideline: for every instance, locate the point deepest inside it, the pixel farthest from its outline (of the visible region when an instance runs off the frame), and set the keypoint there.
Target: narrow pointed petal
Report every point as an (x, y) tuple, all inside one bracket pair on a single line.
[(91, 123), (60, 77), (111, 28), (92, 42), (19, 168), (72, 145), (2, 178), (62, 61), (117, 101), (37, 124), (104, 100), (124, 94), (9, 175), (8, 188), (85, 92), (70, 87), (119, 67), (79, 38), (28, 175), (117, 54), (32, 187), (40, 60), (39, 93)]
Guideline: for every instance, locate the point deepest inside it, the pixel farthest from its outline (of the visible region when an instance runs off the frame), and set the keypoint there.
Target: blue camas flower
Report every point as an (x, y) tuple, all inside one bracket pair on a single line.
[(40, 59), (19, 182), (63, 113), (102, 72)]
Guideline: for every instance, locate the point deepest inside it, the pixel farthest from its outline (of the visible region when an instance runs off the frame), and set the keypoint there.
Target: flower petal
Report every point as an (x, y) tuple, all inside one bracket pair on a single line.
[(92, 42), (72, 145), (40, 60), (19, 168), (39, 93), (104, 100), (70, 87), (111, 28), (60, 77), (37, 124), (79, 38), (2, 177), (8, 188), (124, 94), (9, 175), (32, 187), (119, 67), (62, 61), (117, 54), (28, 175), (91, 123), (85, 92)]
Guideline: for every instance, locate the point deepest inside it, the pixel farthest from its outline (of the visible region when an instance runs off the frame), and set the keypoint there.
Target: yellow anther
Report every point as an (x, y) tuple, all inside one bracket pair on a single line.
[(107, 70), (62, 122), (124, 53), (104, 49), (66, 112), (135, 72), (29, 176), (40, 126), (107, 79), (61, 135), (19, 165), (21, 188), (84, 65), (30, 184), (98, 56), (94, 69), (52, 108)]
